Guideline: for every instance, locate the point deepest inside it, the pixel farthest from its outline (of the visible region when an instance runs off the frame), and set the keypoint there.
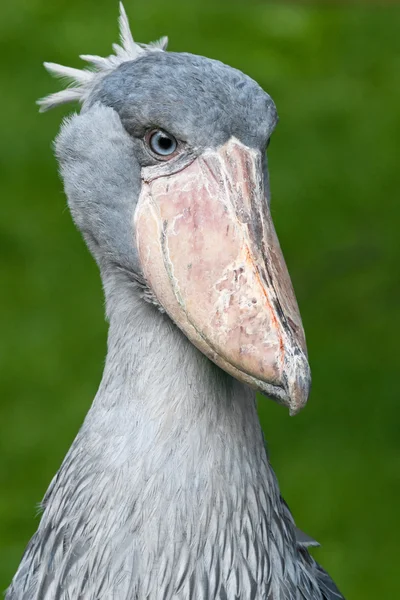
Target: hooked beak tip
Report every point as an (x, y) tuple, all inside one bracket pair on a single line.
[(299, 391)]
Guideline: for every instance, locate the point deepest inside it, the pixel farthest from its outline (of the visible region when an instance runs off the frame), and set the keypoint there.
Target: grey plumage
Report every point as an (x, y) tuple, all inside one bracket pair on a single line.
[(167, 491)]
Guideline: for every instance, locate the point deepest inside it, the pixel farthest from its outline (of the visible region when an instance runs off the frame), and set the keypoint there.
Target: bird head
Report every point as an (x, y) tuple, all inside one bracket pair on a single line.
[(166, 175)]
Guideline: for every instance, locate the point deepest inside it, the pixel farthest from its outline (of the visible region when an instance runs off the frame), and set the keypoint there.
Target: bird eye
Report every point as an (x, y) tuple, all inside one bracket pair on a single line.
[(162, 143)]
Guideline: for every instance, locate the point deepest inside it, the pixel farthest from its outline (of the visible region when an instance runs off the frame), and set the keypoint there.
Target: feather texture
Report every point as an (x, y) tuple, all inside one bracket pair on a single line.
[(95, 544), (83, 80), (162, 511)]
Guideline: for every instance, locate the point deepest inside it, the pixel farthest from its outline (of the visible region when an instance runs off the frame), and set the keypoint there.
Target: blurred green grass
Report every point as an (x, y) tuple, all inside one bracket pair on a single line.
[(334, 74)]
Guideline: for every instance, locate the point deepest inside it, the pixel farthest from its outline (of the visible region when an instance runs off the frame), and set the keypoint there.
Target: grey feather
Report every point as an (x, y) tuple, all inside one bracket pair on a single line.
[(305, 541)]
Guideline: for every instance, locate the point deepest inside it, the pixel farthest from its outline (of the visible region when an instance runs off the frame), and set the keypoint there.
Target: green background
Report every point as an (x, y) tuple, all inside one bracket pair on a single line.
[(334, 74)]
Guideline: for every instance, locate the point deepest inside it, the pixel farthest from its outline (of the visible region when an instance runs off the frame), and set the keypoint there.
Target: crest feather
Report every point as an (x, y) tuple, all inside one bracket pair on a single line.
[(80, 76), (83, 80), (125, 34)]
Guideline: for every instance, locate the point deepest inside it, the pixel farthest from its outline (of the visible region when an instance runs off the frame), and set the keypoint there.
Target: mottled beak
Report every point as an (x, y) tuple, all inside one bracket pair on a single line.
[(210, 254)]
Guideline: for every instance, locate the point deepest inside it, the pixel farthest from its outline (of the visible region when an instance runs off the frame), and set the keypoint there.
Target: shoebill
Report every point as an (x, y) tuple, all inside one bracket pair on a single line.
[(167, 491)]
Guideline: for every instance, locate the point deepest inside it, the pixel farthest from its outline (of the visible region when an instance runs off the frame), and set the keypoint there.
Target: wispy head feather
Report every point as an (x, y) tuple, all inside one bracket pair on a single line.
[(83, 80)]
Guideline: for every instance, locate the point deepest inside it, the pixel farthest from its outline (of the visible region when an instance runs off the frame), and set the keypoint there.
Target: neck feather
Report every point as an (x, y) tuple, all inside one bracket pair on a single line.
[(168, 480)]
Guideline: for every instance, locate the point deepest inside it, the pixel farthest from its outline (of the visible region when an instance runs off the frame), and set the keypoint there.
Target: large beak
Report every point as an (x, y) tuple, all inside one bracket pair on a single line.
[(209, 252)]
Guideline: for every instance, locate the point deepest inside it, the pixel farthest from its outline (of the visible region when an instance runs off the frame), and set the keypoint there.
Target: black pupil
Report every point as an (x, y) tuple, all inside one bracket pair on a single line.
[(164, 142)]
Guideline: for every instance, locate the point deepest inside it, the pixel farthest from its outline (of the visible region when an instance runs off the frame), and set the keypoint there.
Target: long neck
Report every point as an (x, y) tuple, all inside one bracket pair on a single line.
[(163, 403), (169, 465)]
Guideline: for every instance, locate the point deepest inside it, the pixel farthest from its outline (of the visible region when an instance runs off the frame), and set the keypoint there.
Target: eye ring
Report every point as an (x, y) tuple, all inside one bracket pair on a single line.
[(161, 143)]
